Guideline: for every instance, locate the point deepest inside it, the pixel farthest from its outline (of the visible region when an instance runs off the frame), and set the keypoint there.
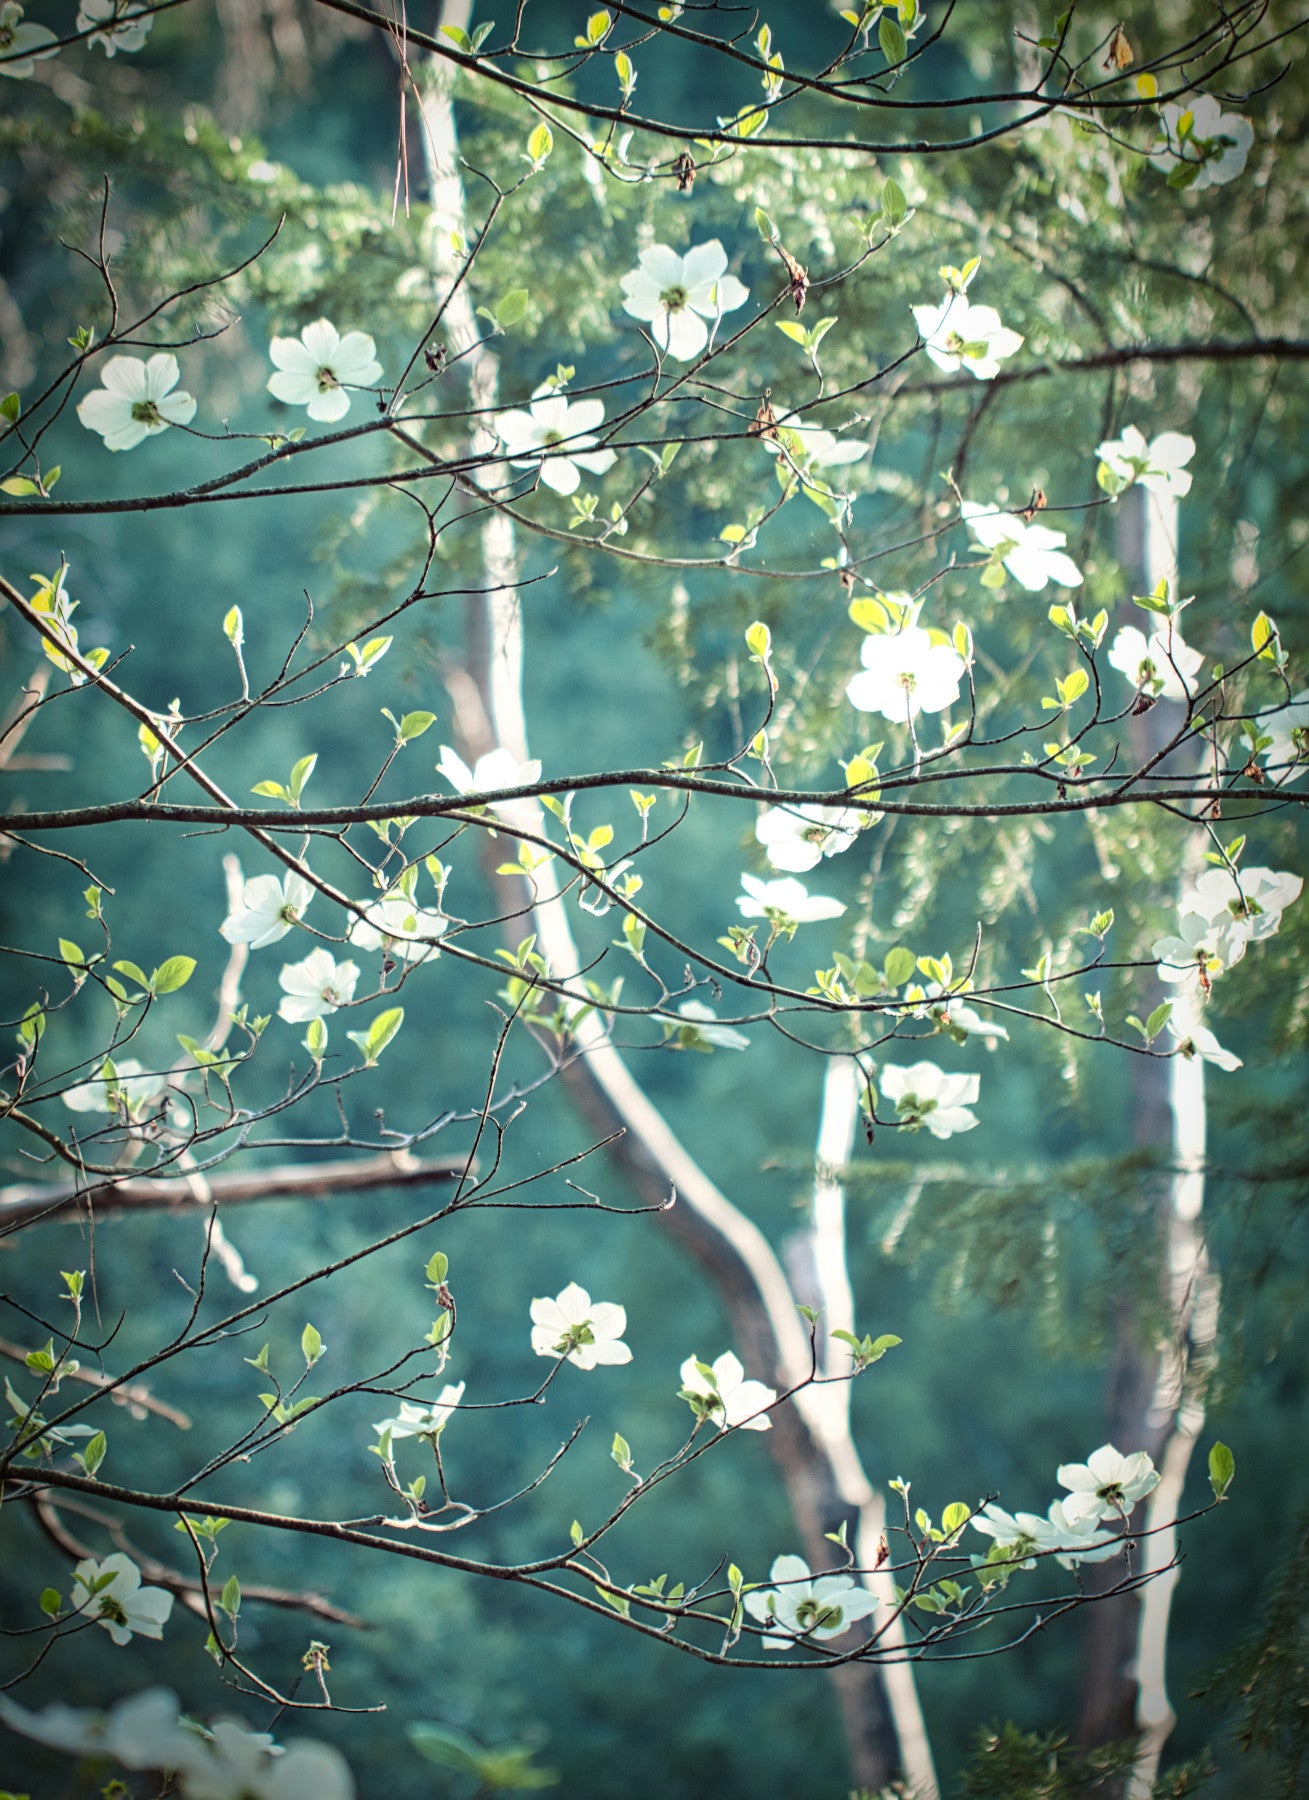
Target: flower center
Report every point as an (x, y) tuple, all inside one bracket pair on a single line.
[(552, 440), (326, 381), (145, 412), (674, 299), (812, 1615)]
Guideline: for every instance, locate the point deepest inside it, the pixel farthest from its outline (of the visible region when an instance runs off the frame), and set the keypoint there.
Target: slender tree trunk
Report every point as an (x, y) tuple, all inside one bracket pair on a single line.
[(823, 1478), (1155, 1399)]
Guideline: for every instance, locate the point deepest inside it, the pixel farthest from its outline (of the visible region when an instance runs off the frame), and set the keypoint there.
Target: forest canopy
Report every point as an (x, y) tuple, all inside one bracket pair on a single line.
[(654, 750)]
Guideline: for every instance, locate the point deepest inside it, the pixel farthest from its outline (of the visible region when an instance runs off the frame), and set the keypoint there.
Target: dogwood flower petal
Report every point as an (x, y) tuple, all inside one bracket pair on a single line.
[(136, 400)]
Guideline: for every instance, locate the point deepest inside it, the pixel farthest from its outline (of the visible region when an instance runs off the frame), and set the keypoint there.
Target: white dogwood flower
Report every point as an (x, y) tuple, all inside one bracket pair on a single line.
[(1160, 665), (315, 987), (231, 1763), (1198, 951), (1198, 1041), (956, 334), (556, 433), (112, 1595), (789, 898), (1159, 465), (268, 910), (1250, 901), (116, 24), (813, 1608), (926, 1095), (719, 1391), (1020, 1537), (796, 838), (1287, 757), (136, 401), (1033, 554), (905, 673), (584, 1331), (416, 1420), (497, 769), (142, 1731), (701, 1029), (1107, 1485), (1200, 135), (396, 924), (316, 369), (123, 1086), (675, 295), (22, 46)]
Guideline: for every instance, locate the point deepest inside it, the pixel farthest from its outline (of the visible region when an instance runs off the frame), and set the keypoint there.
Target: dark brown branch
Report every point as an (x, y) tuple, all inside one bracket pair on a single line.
[(29, 1202)]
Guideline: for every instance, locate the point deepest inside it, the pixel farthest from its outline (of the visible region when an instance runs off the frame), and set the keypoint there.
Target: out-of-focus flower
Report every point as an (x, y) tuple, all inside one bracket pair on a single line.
[(557, 434)]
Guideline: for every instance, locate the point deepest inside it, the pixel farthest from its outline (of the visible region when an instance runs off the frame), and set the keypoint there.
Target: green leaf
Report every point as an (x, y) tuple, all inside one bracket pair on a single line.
[(621, 1451), (900, 964), (234, 627), (71, 954), (20, 486), (414, 724), (540, 144), (458, 37), (512, 308), (10, 408), (372, 1042), (172, 974), (300, 773), (598, 27), (1158, 1019), (315, 1039), (230, 1598), (767, 230), (759, 640), (1264, 637), (94, 1453), (438, 1267), (894, 204), (955, 1515), (1222, 1467), (51, 1603), (311, 1344), (576, 1533), (891, 38)]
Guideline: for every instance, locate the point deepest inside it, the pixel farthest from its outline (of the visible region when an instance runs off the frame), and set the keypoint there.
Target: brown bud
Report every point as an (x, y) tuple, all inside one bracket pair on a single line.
[(765, 419), (1121, 54), (799, 278), (684, 169)]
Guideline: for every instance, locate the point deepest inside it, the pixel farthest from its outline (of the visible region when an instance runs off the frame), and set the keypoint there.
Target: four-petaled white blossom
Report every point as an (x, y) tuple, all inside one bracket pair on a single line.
[(1200, 134), (142, 1731), (235, 1764), (316, 369), (905, 673), (316, 987), (701, 1027), (416, 1420), (556, 433), (584, 1331), (1021, 1537), (1107, 1485), (813, 1608), (1160, 665), (1287, 757), (398, 925), (1033, 554), (121, 1605), (790, 898), (724, 1396), (674, 295), (137, 400), (808, 451), (116, 24), (118, 1087), (1250, 901), (268, 910), (1200, 949), (22, 45), (956, 334), (1159, 465), (926, 1095), (796, 838), (497, 769), (1198, 1041)]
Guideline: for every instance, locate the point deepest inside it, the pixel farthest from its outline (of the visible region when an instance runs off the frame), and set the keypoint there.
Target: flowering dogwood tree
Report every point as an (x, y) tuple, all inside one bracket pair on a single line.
[(592, 338)]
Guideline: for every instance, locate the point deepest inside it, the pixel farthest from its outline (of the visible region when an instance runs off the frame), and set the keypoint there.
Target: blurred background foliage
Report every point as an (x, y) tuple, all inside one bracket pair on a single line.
[(1004, 1263)]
